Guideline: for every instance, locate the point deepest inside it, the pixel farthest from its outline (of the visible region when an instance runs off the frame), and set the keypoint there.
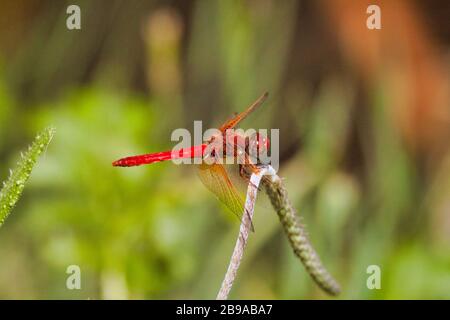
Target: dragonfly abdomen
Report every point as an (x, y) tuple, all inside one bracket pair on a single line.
[(192, 152)]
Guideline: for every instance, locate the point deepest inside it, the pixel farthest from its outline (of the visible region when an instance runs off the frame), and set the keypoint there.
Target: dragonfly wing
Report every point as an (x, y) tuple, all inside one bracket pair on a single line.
[(241, 116), (216, 179)]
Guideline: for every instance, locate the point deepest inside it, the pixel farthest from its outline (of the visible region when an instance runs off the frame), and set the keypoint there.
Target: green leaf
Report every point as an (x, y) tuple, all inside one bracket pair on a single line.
[(13, 187)]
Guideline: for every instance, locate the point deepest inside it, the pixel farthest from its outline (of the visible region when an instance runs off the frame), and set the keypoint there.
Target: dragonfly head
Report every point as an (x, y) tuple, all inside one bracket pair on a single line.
[(258, 146)]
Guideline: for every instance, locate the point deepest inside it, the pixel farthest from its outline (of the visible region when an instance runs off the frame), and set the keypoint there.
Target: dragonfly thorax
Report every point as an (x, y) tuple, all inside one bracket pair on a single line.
[(246, 149)]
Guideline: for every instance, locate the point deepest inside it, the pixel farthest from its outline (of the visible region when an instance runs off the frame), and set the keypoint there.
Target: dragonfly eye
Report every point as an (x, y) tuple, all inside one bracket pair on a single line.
[(264, 142), (257, 146)]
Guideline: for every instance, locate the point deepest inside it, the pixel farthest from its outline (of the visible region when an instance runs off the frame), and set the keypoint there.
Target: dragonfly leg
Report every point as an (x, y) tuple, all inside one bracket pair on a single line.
[(244, 175)]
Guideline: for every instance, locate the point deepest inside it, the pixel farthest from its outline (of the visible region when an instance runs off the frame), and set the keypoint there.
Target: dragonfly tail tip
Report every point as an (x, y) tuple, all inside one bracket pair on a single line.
[(117, 163)]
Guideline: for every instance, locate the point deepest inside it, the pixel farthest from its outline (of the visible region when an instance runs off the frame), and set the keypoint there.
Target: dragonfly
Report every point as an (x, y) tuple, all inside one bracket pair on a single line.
[(211, 171)]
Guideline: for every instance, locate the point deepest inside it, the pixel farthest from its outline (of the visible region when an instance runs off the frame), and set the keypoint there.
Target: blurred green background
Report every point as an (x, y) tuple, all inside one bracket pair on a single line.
[(364, 119)]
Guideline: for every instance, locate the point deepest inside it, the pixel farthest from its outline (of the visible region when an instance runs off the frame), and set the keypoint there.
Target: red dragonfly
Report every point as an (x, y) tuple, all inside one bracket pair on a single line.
[(227, 143)]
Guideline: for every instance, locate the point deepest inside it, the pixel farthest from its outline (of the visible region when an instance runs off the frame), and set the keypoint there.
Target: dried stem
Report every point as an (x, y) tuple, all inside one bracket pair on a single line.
[(246, 225), (236, 258)]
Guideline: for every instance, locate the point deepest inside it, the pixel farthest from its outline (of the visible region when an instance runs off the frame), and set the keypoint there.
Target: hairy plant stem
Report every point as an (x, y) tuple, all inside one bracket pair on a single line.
[(293, 228), (13, 187), (297, 235)]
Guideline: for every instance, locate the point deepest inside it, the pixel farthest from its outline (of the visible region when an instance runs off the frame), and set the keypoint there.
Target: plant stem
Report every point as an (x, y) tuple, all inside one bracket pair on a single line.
[(297, 235), (236, 258), (246, 225), (13, 187)]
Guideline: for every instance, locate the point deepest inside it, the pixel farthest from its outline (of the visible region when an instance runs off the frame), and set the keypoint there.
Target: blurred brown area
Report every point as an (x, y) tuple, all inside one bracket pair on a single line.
[(412, 44), (416, 64)]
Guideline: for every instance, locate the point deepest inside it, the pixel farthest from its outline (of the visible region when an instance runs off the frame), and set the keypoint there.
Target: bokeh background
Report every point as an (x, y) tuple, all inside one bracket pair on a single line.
[(364, 119)]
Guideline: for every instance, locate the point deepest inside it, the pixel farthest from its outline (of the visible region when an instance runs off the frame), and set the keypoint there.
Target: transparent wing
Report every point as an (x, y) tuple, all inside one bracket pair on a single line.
[(241, 116), (216, 179)]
